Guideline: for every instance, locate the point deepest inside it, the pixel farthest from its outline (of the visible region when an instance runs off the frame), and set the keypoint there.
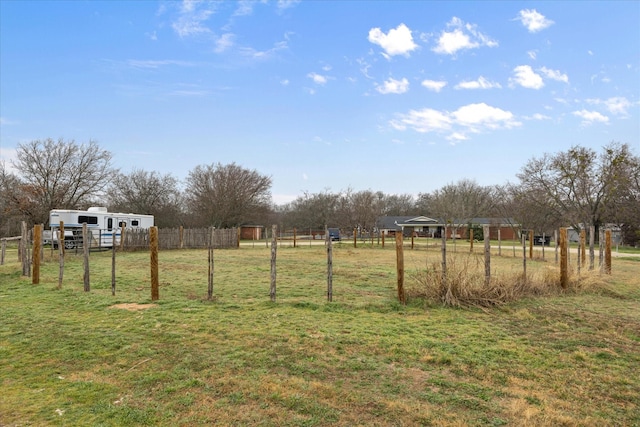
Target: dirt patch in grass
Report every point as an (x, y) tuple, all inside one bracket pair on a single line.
[(133, 306)]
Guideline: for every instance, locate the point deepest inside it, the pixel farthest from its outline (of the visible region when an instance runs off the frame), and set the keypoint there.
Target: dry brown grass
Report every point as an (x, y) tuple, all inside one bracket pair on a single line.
[(464, 283)]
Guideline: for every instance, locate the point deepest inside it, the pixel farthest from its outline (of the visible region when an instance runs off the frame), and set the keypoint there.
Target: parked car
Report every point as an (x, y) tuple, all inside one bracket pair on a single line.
[(334, 234)]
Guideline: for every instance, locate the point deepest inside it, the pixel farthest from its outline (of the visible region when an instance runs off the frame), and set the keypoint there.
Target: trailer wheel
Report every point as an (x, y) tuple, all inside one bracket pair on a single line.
[(69, 244)]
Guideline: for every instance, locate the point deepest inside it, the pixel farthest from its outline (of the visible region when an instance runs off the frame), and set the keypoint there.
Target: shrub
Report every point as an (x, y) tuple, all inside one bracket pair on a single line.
[(465, 284)]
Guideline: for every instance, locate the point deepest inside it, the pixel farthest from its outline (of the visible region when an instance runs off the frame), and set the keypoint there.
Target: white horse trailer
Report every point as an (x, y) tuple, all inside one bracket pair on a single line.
[(105, 228)]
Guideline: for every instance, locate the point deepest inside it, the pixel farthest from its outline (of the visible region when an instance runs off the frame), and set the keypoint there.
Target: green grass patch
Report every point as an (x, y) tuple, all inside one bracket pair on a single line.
[(89, 358)]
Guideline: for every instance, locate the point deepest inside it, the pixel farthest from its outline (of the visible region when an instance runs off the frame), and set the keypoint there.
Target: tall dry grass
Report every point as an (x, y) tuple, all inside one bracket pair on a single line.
[(464, 284)]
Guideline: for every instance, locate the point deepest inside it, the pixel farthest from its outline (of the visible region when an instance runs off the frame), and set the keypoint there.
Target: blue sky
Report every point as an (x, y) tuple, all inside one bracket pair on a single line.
[(399, 97)]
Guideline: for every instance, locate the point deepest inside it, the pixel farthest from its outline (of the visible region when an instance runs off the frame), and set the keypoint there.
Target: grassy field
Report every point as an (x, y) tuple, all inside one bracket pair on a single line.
[(74, 358)]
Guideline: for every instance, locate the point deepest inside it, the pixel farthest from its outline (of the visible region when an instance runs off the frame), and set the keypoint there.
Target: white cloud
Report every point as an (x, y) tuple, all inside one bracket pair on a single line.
[(6, 122), (526, 77), (618, 105), (318, 78), (471, 118), (423, 121), (462, 36), (554, 75), (224, 42), (478, 116), (286, 4), (481, 83), (154, 64), (393, 86), (284, 82), (192, 17), (263, 54), (397, 41), (434, 85), (532, 54), (538, 116), (456, 137), (533, 20), (590, 117), (244, 8)]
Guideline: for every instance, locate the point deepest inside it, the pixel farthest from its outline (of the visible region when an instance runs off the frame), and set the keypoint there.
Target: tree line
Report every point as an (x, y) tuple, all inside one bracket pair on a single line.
[(579, 187)]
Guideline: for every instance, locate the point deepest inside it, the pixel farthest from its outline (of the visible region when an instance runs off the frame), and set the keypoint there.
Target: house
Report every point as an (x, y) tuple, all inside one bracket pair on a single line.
[(616, 233), (418, 225), (424, 226)]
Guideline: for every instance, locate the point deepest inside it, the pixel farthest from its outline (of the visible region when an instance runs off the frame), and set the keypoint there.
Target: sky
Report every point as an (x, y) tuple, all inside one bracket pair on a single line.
[(391, 96)]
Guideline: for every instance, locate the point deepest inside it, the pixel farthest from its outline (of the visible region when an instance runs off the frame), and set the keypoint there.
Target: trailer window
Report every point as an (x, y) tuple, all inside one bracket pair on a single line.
[(87, 219), (135, 223), (110, 224), (122, 224)]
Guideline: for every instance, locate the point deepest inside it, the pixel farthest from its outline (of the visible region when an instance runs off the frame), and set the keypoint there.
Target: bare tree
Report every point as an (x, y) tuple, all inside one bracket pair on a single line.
[(400, 205), (226, 195), (10, 216), (147, 193), (457, 204), (313, 211), (579, 184), (367, 207), (58, 175)]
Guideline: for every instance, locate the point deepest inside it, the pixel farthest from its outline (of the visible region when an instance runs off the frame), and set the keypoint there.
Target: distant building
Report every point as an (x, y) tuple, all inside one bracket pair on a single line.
[(423, 226)]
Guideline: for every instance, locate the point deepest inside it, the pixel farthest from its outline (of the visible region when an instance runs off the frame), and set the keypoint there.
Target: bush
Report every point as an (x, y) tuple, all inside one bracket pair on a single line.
[(465, 284)]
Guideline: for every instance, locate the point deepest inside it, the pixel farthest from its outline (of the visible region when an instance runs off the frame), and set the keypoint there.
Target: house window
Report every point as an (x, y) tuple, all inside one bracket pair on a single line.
[(87, 219)]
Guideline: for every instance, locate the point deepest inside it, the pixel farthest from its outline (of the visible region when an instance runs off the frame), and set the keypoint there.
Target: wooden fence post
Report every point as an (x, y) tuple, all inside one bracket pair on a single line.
[(592, 239), (601, 250), (211, 265), (556, 243), (355, 238), (443, 249), (382, 239), (60, 254), (499, 239), (113, 265), (37, 245), (524, 257), (24, 244), (487, 254), (295, 237), (530, 244), (122, 235), (274, 248), (329, 265), (607, 251), (3, 251), (579, 253), (564, 261), (153, 246), (470, 240), (400, 268), (583, 246), (86, 242)]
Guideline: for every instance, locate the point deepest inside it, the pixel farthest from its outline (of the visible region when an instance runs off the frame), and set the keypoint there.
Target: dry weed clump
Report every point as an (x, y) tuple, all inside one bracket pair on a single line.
[(464, 284)]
